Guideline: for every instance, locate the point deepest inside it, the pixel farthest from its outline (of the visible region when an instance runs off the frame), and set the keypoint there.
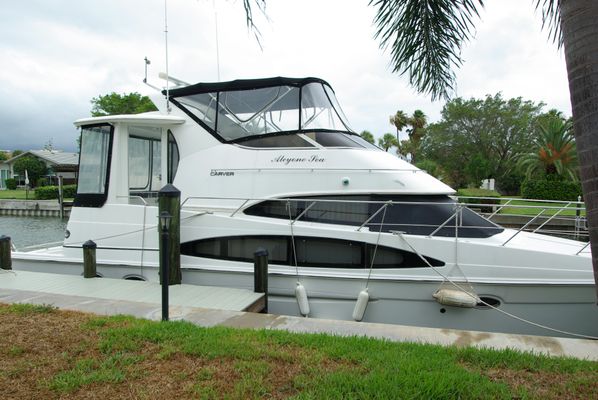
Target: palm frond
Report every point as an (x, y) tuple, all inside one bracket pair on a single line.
[(425, 37), (551, 19), (261, 5)]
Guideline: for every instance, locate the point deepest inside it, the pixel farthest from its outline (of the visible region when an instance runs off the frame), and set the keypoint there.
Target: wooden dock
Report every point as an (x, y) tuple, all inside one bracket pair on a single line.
[(210, 297)]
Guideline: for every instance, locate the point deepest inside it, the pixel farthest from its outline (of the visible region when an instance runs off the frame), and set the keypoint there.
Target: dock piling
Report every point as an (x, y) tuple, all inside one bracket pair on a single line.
[(89, 259), (260, 274), (5, 253), (169, 200)]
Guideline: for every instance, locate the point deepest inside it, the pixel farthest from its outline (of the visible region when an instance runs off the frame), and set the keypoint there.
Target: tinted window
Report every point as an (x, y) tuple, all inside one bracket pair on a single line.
[(311, 252), (289, 140), (173, 157), (416, 215), (333, 139)]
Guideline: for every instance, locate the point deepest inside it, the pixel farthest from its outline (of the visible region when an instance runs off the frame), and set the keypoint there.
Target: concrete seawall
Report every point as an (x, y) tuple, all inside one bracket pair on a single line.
[(32, 208)]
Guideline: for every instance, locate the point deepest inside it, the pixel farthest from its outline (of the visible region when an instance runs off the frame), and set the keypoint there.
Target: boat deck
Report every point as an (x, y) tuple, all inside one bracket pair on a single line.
[(129, 291)]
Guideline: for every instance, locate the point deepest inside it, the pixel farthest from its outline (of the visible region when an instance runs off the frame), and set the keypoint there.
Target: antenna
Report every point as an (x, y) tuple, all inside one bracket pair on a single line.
[(166, 41), (217, 46), (147, 62)]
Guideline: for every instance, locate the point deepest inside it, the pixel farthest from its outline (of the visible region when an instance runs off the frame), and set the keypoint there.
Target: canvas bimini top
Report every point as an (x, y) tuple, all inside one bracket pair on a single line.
[(258, 112)]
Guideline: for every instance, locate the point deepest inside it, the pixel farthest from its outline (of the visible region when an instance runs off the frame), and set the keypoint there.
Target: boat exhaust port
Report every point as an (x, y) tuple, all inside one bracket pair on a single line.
[(456, 298)]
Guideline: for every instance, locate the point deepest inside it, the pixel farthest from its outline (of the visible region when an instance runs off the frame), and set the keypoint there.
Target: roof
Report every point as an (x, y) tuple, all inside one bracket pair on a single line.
[(55, 157), (241, 84), (151, 118)]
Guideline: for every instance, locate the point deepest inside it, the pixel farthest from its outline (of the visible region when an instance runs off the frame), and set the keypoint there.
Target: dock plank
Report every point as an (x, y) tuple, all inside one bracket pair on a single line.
[(128, 290)]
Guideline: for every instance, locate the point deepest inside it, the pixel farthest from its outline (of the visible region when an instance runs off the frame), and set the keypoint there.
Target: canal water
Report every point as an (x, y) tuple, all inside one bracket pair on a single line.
[(29, 231)]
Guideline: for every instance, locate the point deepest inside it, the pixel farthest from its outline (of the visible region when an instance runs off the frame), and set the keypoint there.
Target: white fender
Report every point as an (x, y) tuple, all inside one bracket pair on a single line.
[(362, 302), (301, 296), (456, 298)]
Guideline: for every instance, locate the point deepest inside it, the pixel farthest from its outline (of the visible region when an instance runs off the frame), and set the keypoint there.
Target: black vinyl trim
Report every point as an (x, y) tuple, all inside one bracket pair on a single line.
[(95, 200), (242, 84)]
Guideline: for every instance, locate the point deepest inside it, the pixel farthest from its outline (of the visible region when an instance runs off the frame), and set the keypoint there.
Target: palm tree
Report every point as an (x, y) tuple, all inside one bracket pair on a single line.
[(387, 141), (367, 136), (426, 37), (418, 122), (400, 121), (555, 152)]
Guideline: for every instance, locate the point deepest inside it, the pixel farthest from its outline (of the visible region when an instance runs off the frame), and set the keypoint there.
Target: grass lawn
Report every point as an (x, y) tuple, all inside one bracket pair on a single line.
[(48, 353), (519, 210), (17, 194)]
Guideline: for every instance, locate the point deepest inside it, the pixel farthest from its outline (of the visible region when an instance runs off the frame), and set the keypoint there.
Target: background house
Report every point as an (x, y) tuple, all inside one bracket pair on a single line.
[(59, 163)]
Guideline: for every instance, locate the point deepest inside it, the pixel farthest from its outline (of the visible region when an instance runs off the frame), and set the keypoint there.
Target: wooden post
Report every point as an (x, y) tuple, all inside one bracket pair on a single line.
[(169, 200), (5, 255), (89, 259), (260, 274), (60, 196)]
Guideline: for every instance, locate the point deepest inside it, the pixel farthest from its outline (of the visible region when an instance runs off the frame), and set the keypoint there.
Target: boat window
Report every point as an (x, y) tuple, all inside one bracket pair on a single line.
[(288, 140), (144, 160), (202, 107), (333, 139), (173, 157), (317, 112), (94, 165), (321, 252), (311, 252), (412, 214), (242, 115)]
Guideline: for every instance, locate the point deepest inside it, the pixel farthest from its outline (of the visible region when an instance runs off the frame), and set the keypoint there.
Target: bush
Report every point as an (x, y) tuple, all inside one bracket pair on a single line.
[(551, 188), (51, 192), (11, 184), (480, 193)]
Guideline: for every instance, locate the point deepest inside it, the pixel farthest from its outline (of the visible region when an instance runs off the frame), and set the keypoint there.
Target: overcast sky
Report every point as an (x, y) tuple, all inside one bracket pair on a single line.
[(56, 55)]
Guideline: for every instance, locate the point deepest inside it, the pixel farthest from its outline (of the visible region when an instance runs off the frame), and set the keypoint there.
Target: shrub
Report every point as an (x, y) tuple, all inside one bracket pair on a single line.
[(480, 193), (551, 188), (11, 184), (51, 192)]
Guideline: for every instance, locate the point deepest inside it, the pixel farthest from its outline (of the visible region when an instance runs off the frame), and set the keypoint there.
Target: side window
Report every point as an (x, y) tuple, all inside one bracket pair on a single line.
[(311, 252), (144, 160), (173, 157), (94, 166)]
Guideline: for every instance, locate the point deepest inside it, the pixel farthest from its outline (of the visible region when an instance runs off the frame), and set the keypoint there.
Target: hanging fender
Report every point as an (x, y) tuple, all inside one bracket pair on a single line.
[(456, 298), (301, 295), (361, 304)]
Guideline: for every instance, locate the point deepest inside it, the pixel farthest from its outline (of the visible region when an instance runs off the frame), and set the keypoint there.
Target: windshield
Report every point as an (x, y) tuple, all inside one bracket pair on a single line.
[(240, 115)]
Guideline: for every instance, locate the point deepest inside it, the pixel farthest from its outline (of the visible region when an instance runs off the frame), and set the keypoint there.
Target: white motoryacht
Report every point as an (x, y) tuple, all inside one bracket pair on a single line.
[(352, 232)]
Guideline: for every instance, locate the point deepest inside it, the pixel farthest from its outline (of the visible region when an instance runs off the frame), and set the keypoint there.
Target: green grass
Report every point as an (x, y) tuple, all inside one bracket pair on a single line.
[(515, 207), (126, 357), (17, 194)]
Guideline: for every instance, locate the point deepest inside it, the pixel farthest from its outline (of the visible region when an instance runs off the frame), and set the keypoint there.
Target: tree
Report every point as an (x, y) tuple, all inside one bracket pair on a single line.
[(387, 141), (426, 39), (400, 121), (3, 156), (114, 103), (417, 122), (35, 168), (16, 153), (480, 138), (554, 151), (368, 137)]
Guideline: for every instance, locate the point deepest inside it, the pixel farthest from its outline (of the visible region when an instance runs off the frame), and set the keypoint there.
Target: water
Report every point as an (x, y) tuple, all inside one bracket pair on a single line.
[(29, 231)]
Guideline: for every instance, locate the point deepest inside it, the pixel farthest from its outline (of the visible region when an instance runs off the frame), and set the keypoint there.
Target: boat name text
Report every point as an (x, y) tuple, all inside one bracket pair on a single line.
[(287, 160)]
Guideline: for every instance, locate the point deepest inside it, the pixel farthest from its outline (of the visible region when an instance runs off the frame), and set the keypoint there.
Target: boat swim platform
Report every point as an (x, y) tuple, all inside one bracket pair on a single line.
[(100, 298)]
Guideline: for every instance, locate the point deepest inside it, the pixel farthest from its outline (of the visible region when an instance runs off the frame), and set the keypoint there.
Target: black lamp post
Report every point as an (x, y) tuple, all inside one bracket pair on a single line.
[(165, 218)]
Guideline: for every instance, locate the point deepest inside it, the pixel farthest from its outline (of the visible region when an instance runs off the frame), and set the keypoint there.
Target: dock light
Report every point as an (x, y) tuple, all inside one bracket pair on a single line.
[(164, 218)]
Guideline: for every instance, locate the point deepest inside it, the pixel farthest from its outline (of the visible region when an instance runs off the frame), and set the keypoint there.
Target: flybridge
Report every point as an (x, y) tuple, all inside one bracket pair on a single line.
[(242, 110)]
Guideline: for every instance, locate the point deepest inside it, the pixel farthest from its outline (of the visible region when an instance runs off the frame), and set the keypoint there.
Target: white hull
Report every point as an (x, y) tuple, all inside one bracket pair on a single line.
[(563, 307)]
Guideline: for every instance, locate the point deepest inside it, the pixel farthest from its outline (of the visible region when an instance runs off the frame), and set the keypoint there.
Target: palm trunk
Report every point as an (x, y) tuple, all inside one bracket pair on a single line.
[(580, 34)]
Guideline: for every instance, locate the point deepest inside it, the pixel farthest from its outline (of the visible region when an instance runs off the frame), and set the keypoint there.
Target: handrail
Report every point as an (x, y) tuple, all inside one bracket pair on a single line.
[(303, 212), (523, 227), (551, 218), (374, 214)]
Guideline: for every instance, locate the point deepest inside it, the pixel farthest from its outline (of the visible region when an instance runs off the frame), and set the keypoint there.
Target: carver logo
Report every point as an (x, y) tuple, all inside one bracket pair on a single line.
[(216, 172)]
